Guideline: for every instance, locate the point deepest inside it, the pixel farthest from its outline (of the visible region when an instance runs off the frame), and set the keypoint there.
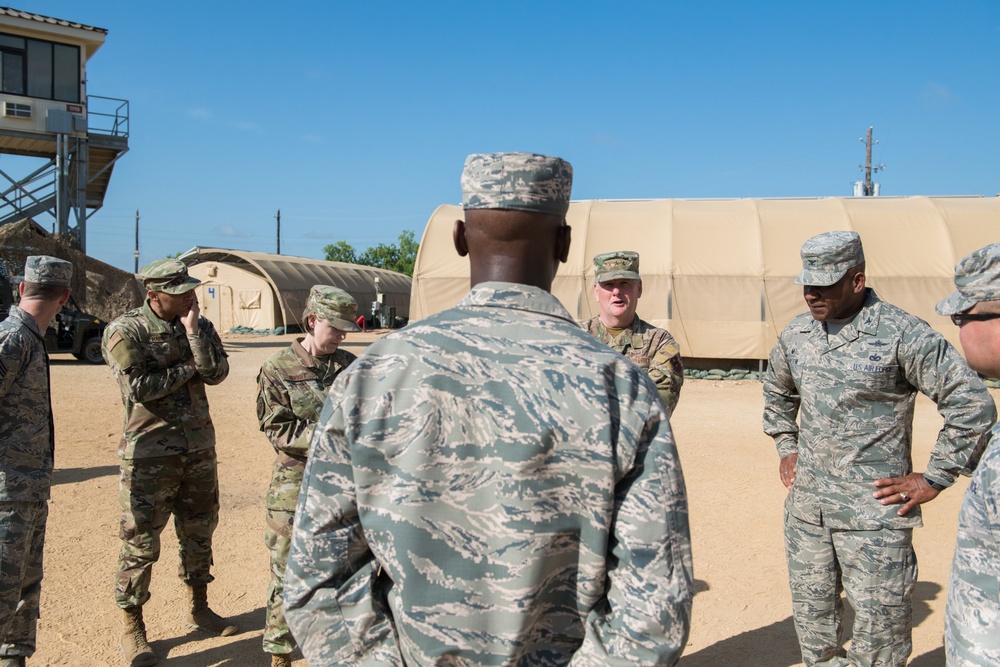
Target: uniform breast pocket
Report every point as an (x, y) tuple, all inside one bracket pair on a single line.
[(872, 375), (306, 396), (165, 352), (639, 359)]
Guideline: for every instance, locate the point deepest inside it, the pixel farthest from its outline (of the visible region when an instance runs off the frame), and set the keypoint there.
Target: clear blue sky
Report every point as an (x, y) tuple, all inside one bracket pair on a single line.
[(354, 118)]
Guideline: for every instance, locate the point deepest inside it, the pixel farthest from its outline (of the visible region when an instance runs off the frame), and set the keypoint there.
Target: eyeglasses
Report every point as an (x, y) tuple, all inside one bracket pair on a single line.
[(961, 318)]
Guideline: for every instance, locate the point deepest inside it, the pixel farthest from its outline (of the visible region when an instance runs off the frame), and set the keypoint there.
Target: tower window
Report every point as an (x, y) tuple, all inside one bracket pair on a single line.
[(37, 68)]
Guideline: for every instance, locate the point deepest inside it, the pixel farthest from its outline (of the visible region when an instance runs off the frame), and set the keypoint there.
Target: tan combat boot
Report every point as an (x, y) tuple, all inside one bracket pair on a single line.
[(281, 660), (202, 618), (133, 645)]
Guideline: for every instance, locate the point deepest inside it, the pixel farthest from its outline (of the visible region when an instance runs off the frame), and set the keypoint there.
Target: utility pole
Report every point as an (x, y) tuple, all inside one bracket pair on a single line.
[(137, 240), (869, 188), (279, 230)]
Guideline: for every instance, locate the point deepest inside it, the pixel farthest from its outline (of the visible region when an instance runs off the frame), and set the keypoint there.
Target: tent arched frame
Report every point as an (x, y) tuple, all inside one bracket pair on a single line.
[(291, 277)]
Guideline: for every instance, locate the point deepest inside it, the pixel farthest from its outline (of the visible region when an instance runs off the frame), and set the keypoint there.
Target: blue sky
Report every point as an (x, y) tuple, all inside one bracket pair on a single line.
[(354, 118)]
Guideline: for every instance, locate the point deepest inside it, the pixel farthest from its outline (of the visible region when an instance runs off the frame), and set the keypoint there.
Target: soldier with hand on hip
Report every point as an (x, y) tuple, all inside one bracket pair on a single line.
[(849, 370)]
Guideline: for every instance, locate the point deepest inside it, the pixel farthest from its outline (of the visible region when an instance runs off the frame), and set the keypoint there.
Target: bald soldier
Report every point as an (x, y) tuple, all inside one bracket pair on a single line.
[(849, 370), (617, 288), (293, 384), (972, 613), (162, 355), (27, 449), (492, 485)]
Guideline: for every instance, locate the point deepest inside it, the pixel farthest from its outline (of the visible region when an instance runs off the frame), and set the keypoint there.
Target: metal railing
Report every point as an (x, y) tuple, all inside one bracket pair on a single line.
[(108, 115)]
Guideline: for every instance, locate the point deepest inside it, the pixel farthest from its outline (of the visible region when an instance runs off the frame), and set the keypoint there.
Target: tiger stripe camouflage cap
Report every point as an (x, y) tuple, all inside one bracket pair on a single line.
[(45, 270), (827, 257), (333, 305), (619, 265), (977, 278), (517, 181), (168, 275)]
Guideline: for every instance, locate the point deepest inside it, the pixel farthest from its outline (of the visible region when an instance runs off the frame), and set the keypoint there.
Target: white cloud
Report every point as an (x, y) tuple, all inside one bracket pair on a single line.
[(937, 96), (229, 230)]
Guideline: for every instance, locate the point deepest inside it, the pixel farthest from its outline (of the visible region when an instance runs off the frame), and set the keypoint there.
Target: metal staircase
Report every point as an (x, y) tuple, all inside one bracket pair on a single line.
[(75, 177)]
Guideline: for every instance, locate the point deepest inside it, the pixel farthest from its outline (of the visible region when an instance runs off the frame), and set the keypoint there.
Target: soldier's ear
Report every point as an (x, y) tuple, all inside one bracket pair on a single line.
[(458, 237), (858, 282), (563, 242)]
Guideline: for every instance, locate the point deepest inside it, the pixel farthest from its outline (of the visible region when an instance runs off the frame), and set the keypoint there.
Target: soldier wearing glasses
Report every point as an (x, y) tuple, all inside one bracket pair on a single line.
[(849, 370), (972, 622)]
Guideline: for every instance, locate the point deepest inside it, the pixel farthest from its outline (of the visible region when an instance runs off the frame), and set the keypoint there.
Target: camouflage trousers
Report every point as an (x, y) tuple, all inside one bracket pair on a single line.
[(278, 538), (22, 540), (149, 491), (876, 568)]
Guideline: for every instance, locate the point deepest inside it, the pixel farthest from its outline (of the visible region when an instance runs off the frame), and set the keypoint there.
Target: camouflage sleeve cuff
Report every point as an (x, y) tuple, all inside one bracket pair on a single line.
[(938, 480), (786, 445)]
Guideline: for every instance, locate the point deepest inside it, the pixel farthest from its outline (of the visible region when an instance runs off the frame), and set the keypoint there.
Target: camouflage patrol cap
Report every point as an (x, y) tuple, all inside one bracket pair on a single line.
[(517, 181), (619, 265), (168, 275), (45, 270), (827, 257), (333, 305), (977, 278)]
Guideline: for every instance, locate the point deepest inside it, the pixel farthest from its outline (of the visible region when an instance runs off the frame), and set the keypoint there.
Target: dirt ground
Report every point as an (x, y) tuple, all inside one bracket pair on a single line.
[(742, 612)]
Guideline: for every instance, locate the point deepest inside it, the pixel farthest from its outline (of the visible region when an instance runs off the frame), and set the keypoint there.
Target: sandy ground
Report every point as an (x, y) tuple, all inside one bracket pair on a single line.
[(741, 612)]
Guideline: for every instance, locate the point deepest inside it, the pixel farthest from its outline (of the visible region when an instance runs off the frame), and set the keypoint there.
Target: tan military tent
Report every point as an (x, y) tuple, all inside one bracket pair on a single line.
[(263, 291), (718, 273)]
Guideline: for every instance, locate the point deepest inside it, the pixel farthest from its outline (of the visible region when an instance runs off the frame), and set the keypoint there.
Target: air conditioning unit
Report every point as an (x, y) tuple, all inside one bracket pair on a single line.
[(16, 110)]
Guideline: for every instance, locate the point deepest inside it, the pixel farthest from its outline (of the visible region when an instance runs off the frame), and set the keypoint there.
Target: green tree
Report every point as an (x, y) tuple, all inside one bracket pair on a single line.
[(341, 251), (399, 257)]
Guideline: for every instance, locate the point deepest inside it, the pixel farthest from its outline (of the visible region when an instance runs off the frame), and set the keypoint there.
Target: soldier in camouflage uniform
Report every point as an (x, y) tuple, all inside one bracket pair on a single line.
[(162, 356), (293, 385), (850, 370), (492, 485), (27, 446), (972, 614), (617, 288)]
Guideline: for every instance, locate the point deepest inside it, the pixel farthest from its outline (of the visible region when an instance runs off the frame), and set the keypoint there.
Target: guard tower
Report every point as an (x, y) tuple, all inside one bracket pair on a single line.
[(73, 139)]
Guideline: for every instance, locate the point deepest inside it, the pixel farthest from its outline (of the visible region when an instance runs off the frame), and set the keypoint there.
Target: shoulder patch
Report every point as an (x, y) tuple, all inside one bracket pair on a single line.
[(118, 350)]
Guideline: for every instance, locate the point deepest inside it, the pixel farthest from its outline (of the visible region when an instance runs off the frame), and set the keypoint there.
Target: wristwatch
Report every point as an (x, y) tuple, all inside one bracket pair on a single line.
[(934, 485)]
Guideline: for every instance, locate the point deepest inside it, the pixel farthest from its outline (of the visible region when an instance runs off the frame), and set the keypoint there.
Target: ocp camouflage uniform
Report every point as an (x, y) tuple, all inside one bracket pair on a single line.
[(854, 393), (652, 349), (168, 462), (293, 385), (492, 486), (27, 445)]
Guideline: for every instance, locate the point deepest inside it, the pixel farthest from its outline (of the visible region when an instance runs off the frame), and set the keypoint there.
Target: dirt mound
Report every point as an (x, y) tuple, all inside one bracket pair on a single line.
[(99, 288)]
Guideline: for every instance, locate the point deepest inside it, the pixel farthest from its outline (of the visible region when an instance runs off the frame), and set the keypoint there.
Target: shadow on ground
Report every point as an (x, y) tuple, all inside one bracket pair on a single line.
[(776, 645), (230, 654), (73, 475)]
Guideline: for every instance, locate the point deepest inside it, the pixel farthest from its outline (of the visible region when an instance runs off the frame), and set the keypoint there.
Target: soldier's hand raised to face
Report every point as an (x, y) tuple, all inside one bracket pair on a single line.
[(190, 319)]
